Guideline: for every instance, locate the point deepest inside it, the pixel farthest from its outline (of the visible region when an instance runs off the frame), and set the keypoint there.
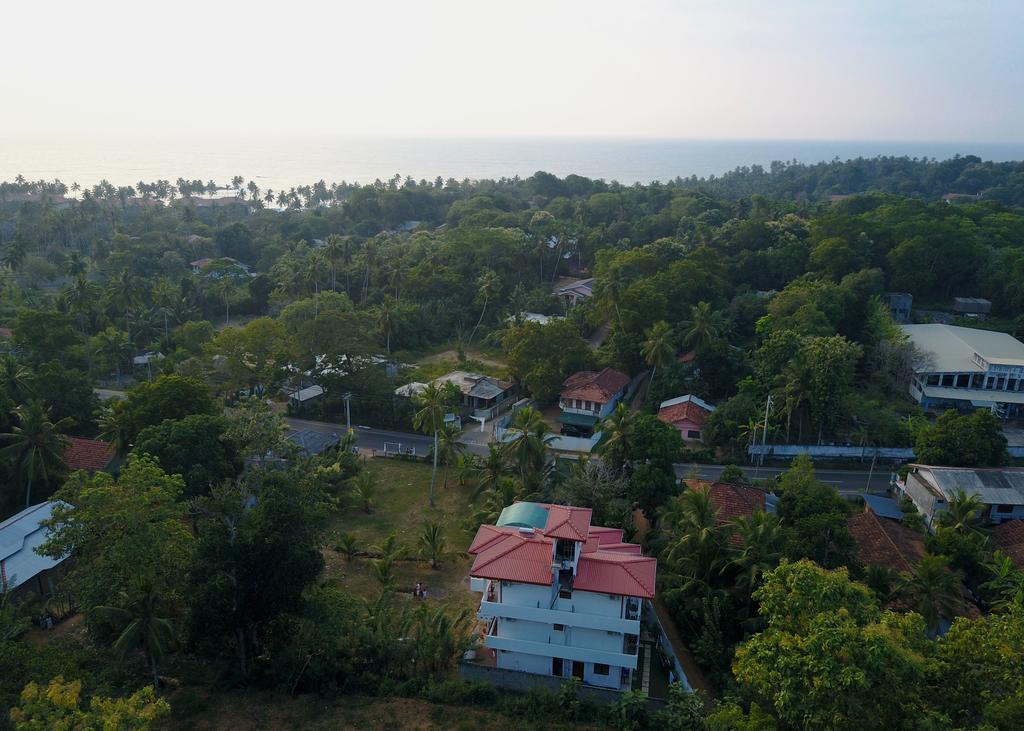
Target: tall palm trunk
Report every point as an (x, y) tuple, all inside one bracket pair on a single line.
[(153, 669), (433, 476), (28, 492), (480, 320)]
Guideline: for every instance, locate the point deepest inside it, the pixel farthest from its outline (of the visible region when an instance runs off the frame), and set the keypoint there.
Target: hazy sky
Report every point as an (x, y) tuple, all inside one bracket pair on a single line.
[(863, 69)]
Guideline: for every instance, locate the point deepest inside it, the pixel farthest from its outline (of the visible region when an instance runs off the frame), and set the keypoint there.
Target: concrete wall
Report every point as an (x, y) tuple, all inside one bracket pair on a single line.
[(524, 663), (523, 682), (925, 500), (654, 625), (525, 595), (590, 602)]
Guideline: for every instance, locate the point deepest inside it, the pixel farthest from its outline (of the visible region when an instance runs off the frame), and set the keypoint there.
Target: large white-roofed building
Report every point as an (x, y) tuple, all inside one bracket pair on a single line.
[(965, 368)]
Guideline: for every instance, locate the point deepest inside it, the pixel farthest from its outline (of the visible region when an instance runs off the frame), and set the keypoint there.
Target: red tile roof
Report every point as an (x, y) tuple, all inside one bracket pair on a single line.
[(565, 521), (87, 454), (1009, 537), (885, 543), (591, 386), (515, 556), (687, 356), (732, 501), (686, 411), (606, 564), (614, 572)]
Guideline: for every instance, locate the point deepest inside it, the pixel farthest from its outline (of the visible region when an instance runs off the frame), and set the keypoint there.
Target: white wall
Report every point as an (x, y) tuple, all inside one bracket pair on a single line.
[(611, 680), (524, 629), (590, 602), (526, 595), (524, 662), (596, 639)]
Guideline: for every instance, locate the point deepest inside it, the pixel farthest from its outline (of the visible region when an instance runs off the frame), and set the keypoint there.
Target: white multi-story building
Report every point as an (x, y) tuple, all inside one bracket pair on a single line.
[(965, 368), (561, 597)]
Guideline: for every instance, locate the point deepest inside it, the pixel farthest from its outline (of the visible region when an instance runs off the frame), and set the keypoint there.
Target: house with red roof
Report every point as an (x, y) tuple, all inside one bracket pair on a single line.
[(91, 455), (687, 414), (589, 396), (561, 597), (1009, 538), (885, 542)]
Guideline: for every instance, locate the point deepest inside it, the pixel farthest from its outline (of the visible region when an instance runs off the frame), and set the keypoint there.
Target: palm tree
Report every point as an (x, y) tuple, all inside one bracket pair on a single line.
[(114, 347), (347, 544), (115, 425), (617, 441), (761, 539), (659, 348), (488, 286), (448, 443), (528, 447), (697, 550), (467, 466), (964, 514), (123, 295), (1006, 587), (15, 378), (386, 315), (363, 489), (704, 326), (36, 445), (226, 289), (491, 470), (13, 255), (141, 627), (334, 251), (433, 545), (935, 589), (80, 299), (432, 402)]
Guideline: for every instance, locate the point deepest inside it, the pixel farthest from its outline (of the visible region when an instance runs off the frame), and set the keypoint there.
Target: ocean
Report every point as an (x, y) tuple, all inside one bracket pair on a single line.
[(285, 162)]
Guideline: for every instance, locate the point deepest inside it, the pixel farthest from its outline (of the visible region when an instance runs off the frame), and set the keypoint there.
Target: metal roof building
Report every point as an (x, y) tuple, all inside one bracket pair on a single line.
[(20, 535)]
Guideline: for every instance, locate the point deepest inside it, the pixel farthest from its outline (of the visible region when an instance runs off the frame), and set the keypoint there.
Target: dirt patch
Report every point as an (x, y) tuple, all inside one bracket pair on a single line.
[(453, 355)]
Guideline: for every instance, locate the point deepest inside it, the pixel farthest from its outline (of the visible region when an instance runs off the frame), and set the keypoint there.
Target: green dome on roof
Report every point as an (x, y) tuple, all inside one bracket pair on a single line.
[(524, 515)]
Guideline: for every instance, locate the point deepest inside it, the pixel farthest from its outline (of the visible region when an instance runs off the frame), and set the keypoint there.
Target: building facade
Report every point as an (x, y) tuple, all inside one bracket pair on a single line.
[(931, 489), (964, 368), (589, 396), (687, 414), (561, 597)]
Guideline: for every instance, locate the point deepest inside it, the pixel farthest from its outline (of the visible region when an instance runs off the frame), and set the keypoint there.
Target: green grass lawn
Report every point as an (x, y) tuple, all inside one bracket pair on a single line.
[(402, 507)]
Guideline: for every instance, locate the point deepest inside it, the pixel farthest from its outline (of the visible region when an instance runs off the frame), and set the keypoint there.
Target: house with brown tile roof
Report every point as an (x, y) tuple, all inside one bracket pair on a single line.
[(589, 396), (91, 455), (687, 414), (1009, 538), (885, 543)]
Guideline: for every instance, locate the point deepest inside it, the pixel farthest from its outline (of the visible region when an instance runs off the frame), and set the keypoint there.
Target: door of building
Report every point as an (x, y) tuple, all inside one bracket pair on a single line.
[(556, 667), (577, 669)]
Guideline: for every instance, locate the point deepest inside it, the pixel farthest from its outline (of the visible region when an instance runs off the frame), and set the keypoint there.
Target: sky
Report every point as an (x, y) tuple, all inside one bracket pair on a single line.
[(779, 69)]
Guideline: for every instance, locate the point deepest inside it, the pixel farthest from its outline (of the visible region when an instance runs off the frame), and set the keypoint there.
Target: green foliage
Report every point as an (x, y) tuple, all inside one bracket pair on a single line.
[(58, 706), (541, 357), (814, 517), (972, 440), (196, 447), (166, 397)]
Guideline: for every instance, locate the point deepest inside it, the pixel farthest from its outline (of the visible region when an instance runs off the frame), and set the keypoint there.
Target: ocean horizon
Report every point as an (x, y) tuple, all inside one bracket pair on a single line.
[(278, 162)]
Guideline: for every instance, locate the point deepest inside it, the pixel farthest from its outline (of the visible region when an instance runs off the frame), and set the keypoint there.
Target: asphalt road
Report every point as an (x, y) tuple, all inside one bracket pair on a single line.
[(367, 438), (846, 481)]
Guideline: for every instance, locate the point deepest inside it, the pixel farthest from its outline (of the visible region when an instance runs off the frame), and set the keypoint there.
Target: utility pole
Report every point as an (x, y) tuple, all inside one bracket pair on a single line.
[(871, 471), (348, 413)]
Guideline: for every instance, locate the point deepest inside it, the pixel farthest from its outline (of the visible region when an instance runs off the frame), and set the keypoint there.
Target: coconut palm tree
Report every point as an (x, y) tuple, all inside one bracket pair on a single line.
[(1006, 585), (348, 544), (363, 489), (467, 467), (123, 295), (432, 402), (760, 549), (528, 447), (704, 326), (115, 425), (386, 316), (964, 514), (334, 251), (36, 445), (142, 627), (114, 347), (451, 449), (433, 545), (659, 348), (617, 436), (697, 547), (15, 378), (488, 287), (492, 469), (936, 589), (80, 299)]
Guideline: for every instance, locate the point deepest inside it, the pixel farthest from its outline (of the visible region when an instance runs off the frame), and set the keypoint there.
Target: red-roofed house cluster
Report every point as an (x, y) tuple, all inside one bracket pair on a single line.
[(561, 597)]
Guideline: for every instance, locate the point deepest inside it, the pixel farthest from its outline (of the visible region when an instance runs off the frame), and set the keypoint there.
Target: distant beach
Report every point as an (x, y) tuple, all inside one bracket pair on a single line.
[(281, 162)]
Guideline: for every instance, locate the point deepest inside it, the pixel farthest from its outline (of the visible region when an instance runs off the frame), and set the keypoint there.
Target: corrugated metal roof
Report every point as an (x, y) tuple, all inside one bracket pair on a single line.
[(526, 515), (992, 486), (952, 348), (884, 507), (19, 536)]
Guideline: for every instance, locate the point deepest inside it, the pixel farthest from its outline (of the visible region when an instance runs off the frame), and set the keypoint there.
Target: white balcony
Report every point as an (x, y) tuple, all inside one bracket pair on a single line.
[(559, 616), (566, 652)]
